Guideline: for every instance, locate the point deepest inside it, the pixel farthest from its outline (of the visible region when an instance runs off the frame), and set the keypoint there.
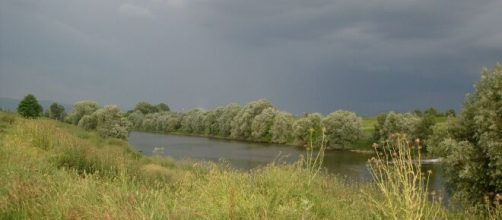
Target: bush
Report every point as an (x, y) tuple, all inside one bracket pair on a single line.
[(474, 147), (29, 107), (342, 128)]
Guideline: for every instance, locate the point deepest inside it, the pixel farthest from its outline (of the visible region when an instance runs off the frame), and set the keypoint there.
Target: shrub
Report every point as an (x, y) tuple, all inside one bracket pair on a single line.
[(474, 150), (342, 127)]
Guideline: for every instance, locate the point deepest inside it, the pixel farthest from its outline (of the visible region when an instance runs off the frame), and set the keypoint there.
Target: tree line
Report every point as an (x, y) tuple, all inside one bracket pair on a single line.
[(257, 121)]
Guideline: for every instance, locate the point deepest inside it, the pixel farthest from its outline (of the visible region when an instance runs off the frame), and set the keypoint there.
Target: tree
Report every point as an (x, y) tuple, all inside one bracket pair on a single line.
[(342, 127), (308, 129), (29, 107), (56, 111), (162, 107), (394, 123), (262, 123), (241, 124), (282, 127), (110, 122), (226, 118), (80, 109), (146, 108), (474, 147)]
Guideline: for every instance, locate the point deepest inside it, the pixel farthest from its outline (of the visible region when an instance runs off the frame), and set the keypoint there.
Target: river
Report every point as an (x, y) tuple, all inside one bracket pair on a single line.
[(246, 155)]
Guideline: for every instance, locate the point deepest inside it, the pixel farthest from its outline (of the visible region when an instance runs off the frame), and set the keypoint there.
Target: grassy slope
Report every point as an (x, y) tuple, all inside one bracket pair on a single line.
[(52, 170)]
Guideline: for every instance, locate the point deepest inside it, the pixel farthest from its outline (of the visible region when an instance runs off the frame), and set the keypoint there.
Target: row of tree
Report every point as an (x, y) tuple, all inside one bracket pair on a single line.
[(256, 121)]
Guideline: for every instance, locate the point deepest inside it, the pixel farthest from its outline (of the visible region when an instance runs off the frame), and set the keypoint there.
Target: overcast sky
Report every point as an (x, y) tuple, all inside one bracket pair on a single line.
[(366, 56)]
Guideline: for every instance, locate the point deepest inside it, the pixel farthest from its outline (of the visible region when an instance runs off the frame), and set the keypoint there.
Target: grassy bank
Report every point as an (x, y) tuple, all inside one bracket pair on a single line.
[(52, 170)]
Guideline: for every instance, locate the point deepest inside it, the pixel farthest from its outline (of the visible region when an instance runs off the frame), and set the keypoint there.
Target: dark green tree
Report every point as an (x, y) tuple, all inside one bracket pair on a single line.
[(56, 111), (162, 107), (145, 108), (29, 107), (473, 142)]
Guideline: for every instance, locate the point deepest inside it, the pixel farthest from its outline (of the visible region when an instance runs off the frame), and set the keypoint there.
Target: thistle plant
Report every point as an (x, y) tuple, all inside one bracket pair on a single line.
[(402, 187)]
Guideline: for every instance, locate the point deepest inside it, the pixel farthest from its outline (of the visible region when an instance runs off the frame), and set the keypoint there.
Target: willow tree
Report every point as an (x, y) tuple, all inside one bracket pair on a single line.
[(224, 122), (342, 127), (80, 109), (260, 127), (241, 124), (474, 145), (282, 127), (308, 129)]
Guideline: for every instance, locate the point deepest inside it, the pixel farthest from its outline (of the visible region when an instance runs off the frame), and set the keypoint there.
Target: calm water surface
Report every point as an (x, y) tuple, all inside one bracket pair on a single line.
[(245, 156)]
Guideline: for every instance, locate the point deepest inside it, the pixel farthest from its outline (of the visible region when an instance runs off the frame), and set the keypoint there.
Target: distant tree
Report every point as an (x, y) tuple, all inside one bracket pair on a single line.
[(136, 118), (282, 127), (451, 113), (110, 122), (302, 129), (397, 123), (225, 120), (432, 111), (342, 127), (29, 107), (146, 108), (424, 127), (80, 109), (56, 111), (211, 126), (262, 123), (241, 124), (162, 107), (380, 121), (88, 122), (418, 112)]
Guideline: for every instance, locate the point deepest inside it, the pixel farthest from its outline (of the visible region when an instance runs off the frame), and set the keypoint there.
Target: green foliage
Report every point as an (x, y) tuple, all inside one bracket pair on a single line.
[(282, 127), (394, 123), (56, 111), (29, 107), (342, 128), (81, 109), (145, 108), (474, 146), (225, 120), (262, 123), (257, 121), (241, 124), (162, 107), (110, 122), (307, 128)]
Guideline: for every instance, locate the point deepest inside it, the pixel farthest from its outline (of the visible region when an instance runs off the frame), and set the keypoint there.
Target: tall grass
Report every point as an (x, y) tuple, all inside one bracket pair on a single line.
[(50, 170)]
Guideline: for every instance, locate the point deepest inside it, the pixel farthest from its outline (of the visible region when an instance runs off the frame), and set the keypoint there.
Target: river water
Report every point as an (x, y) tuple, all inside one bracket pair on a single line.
[(246, 156)]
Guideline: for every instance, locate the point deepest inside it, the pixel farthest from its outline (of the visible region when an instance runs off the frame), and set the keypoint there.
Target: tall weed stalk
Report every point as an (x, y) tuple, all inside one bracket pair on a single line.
[(402, 187), (314, 160)]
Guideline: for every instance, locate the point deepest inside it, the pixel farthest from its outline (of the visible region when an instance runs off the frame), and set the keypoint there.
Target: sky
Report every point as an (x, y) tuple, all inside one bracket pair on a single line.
[(366, 56)]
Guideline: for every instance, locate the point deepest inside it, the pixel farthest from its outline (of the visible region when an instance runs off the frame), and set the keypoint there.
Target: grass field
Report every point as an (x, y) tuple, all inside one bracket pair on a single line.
[(51, 170)]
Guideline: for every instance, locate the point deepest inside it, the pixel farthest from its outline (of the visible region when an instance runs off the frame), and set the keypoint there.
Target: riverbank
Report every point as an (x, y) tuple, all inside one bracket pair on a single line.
[(52, 170)]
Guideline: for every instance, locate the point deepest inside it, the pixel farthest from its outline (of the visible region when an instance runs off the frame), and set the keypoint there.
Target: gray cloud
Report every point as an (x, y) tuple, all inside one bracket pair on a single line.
[(131, 10), (317, 55)]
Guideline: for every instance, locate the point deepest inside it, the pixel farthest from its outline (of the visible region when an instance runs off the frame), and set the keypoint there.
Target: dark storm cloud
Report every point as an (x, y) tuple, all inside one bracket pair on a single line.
[(316, 55)]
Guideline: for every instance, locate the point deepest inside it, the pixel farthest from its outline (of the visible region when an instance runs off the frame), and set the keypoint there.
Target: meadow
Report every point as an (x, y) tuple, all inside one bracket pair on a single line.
[(52, 170)]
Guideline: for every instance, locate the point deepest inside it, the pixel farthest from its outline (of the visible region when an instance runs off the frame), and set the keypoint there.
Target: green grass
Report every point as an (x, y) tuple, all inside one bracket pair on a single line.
[(51, 170), (365, 142)]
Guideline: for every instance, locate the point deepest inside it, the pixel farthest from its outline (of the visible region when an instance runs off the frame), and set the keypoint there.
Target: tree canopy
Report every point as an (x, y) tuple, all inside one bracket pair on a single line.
[(29, 107)]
